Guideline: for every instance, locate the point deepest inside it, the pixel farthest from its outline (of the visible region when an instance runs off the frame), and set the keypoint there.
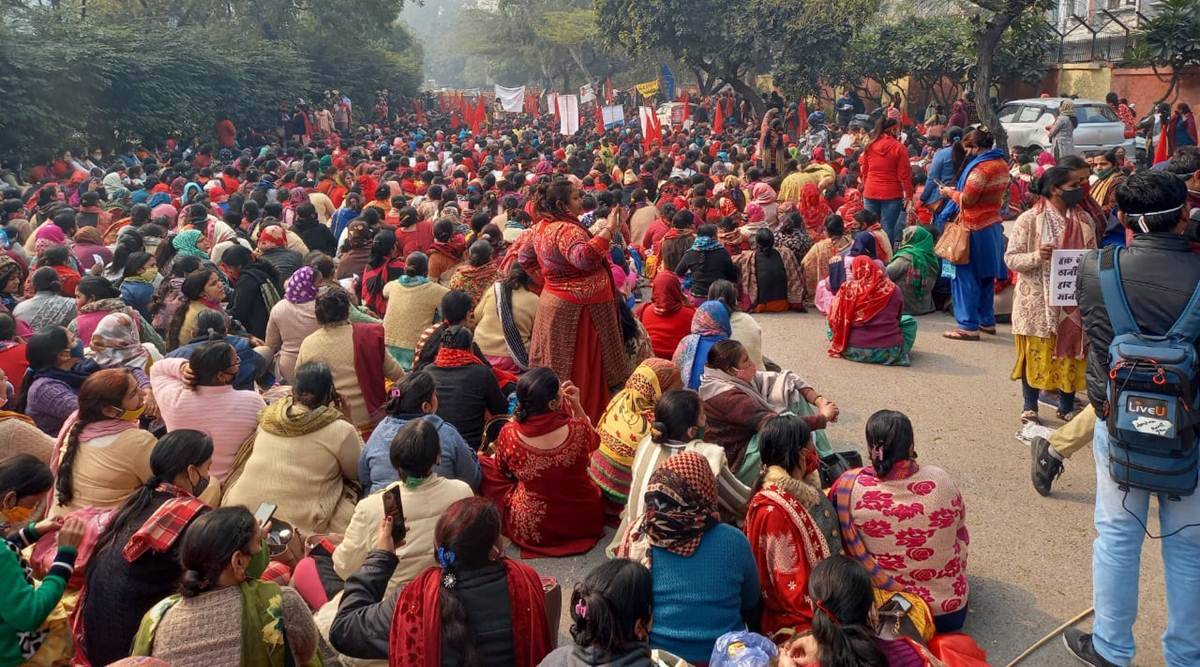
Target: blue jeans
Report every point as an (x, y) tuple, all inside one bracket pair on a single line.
[(1116, 561), (891, 216)]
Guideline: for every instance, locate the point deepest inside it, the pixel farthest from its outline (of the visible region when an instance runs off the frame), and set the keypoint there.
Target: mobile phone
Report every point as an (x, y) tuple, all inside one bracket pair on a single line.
[(393, 506), (898, 603), (264, 513)]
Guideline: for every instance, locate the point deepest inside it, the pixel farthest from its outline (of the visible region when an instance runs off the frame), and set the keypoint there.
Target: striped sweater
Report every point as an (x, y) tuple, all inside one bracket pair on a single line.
[(981, 198)]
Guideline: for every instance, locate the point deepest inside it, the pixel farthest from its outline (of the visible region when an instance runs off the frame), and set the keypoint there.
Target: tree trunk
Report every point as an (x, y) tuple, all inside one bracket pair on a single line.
[(742, 88), (577, 56), (989, 39), (703, 81), (1175, 78)]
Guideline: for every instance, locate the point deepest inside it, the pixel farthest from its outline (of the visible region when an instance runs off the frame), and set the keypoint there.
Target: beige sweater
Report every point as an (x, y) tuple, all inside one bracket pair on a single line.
[(287, 327), (410, 310), (19, 437), (107, 470), (303, 476), (1032, 314), (489, 333), (334, 346)]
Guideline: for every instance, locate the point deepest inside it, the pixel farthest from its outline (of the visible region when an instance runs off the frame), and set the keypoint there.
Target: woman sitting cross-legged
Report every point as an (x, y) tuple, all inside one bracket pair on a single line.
[(667, 316), (678, 427), (538, 475), (739, 400), (906, 523), (865, 320), (791, 525), (223, 614), (771, 279), (415, 398), (467, 389), (136, 560), (705, 579), (412, 306), (474, 607), (305, 457)]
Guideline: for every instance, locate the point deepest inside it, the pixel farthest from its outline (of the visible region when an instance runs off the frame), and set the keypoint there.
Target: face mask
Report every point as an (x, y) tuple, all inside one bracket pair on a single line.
[(77, 350), (132, 415), (199, 486), (258, 563), (18, 516), (1072, 198), (1105, 173), (746, 374), (150, 274), (700, 432)]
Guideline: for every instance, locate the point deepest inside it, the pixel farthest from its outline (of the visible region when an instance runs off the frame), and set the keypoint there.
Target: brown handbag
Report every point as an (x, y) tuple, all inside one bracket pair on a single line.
[(954, 245)]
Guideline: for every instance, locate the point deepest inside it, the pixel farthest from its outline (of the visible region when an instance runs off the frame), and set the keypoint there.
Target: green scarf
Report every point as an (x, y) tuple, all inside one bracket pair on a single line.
[(279, 419), (264, 637), (917, 246)]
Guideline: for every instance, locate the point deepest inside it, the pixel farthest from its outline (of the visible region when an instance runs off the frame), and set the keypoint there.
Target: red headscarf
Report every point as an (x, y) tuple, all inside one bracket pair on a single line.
[(853, 204), (814, 209), (667, 294), (861, 298)]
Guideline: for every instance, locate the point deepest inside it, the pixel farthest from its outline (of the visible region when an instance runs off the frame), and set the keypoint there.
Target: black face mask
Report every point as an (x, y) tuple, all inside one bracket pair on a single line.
[(1072, 198)]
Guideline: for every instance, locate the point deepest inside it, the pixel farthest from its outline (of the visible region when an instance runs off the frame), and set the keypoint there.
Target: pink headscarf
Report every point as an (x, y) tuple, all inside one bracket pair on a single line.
[(754, 213), (762, 194)]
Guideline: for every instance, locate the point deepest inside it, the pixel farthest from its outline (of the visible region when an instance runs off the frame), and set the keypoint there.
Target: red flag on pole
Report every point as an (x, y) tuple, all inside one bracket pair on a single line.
[(718, 125), (454, 120), (480, 115), (608, 90), (1160, 146), (599, 120), (687, 112), (802, 117)]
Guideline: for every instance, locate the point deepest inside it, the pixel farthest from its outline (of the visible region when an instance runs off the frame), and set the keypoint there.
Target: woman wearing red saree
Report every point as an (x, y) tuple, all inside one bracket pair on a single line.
[(576, 331), (814, 209), (554, 508)]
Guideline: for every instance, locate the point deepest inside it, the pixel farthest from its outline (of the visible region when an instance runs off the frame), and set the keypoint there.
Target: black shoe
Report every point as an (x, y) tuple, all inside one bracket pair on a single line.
[(1079, 644), (1046, 466)]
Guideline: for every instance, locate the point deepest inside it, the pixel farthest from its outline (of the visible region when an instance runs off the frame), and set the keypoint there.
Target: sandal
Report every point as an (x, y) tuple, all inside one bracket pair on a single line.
[(1030, 417), (991, 331), (959, 334), (1066, 416)]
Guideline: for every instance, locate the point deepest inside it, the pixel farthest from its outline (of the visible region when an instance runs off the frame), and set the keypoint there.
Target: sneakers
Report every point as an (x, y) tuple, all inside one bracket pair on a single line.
[(1079, 644), (1046, 466)]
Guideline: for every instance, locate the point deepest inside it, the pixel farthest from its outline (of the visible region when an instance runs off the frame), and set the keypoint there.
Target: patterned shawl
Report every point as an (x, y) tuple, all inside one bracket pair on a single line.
[(185, 244), (300, 288), (681, 504), (115, 343), (710, 325), (916, 243), (631, 412), (841, 493), (866, 294)]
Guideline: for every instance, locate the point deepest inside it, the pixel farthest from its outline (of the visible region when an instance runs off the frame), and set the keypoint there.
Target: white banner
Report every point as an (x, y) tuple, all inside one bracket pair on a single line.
[(613, 115), (1064, 273), (512, 100), (586, 94), (568, 114), (646, 116)]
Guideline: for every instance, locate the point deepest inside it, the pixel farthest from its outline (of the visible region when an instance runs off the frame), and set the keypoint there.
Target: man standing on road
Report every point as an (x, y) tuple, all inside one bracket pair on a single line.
[(1158, 275)]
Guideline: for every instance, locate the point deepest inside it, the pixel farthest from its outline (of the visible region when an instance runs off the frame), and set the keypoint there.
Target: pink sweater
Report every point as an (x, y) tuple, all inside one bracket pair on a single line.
[(227, 415)]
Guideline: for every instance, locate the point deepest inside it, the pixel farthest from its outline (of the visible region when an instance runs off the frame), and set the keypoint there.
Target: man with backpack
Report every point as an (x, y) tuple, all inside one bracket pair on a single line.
[(1141, 309)]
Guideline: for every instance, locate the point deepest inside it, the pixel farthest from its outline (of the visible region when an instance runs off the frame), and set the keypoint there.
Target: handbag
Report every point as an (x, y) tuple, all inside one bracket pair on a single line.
[(954, 245)]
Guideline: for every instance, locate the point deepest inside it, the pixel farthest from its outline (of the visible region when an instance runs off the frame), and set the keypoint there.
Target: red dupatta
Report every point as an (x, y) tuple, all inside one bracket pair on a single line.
[(416, 636), (368, 364), (861, 298)]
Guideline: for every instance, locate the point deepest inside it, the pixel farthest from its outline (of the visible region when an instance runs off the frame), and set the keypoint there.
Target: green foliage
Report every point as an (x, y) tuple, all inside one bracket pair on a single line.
[(131, 71), (1171, 38)]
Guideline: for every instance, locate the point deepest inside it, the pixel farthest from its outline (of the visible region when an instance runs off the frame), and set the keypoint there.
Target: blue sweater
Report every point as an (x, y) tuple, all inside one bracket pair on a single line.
[(699, 598), (456, 461), (941, 168)]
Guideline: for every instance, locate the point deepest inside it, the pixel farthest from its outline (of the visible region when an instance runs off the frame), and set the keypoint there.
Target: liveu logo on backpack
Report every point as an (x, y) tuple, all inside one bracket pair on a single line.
[(1153, 394)]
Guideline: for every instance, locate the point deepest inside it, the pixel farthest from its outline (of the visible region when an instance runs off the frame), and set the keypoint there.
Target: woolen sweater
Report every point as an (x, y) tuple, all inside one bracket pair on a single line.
[(23, 606), (489, 332), (289, 324), (699, 598), (456, 461), (409, 311), (334, 346), (107, 470)]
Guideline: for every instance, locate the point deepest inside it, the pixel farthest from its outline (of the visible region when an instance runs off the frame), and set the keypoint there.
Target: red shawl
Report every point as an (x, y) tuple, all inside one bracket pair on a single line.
[(814, 209), (861, 298), (368, 364), (416, 638)]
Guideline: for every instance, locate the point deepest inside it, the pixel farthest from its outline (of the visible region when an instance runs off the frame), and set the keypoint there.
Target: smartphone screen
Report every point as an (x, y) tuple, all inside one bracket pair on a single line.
[(264, 513), (393, 506)]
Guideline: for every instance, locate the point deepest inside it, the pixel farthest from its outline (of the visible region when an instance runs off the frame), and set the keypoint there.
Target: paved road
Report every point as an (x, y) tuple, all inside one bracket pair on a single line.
[(1030, 557)]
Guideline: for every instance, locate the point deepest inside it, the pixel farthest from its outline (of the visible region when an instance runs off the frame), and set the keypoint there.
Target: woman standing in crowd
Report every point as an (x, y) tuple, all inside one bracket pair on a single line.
[(1062, 130), (305, 458), (223, 613), (1049, 339), (887, 177), (705, 579), (875, 533), (974, 202), (538, 475), (627, 421), (576, 331), (791, 526), (135, 562)]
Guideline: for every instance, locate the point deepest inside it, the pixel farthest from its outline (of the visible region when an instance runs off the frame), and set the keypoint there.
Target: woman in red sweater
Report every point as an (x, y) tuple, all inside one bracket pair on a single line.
[(887, 177), (668, 316)]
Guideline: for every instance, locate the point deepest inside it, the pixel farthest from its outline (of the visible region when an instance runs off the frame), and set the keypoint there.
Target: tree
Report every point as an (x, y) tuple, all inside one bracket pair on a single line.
[(990, 26), (1170, 40)]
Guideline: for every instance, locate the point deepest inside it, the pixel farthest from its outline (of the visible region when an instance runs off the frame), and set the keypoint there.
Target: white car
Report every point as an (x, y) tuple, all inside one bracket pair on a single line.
[(1099, 129)]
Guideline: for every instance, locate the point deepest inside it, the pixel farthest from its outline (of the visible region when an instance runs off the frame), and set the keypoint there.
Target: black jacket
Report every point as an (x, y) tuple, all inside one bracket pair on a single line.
[(284, 260), (248, 305), (316, 236), (463, 394), (1159, 273), (707, 267), (364, 617)]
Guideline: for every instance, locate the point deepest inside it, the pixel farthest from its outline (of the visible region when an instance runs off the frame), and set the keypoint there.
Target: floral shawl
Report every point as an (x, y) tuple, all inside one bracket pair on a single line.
[(115, 343), (859, 300), (710, 325), (631, 412)]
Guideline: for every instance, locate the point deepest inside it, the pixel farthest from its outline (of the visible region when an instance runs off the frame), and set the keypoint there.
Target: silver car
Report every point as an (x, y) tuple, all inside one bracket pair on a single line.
[(1099, 129)]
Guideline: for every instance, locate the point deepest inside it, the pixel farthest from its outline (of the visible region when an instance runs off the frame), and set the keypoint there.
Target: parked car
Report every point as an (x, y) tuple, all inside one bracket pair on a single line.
[(1099, 129)]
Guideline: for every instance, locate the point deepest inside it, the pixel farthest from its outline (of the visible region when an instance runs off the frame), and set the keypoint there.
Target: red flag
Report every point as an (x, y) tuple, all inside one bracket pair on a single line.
[(420, 112), (687, 112), (442, 102), (1160, 146), (480, 115), (608, 90), (454, 120), (802, 117), (599, 120), (718, 125)]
